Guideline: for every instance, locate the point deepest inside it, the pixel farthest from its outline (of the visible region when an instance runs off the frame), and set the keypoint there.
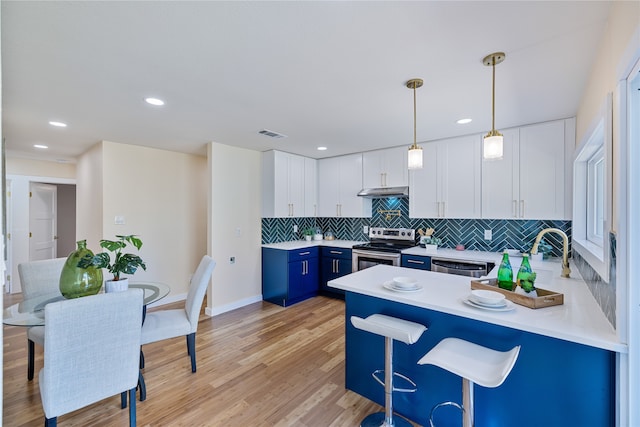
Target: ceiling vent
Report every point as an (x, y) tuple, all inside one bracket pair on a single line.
[(271, 134)]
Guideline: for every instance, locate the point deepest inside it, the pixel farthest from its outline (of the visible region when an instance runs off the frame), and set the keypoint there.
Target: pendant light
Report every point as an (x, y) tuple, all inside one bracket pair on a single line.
[(415, 152), (493, 141)]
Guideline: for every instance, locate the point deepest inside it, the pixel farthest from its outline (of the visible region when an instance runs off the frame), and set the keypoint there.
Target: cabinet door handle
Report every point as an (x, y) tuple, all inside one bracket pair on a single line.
[(304, 253), (337, 210), (306, 267), (413, 261), (522, 208), (514, 206), (334, 266), (336, 252), (443, 209)]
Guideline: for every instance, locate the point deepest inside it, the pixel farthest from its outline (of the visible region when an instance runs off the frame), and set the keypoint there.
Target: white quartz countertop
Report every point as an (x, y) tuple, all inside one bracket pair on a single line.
[(578, 320), (301, 244)]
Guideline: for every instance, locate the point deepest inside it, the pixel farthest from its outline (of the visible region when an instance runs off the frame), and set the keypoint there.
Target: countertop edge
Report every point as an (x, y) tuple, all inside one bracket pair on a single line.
[(590, 330)]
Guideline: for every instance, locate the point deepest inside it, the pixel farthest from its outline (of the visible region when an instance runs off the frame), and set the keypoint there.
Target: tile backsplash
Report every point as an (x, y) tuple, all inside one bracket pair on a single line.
[(512, 234), (603, 292)]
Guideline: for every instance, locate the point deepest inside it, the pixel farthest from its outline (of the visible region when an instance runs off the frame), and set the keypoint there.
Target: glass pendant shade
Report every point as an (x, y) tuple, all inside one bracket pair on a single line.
[(415, 157), (492, 147)]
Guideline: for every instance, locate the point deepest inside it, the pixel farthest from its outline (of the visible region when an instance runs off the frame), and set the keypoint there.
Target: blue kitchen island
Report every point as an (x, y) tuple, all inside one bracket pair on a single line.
[(564, 376)]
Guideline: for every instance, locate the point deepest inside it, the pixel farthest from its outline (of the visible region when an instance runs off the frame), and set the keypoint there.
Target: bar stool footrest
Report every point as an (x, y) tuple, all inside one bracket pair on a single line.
[(441, 404), (377, 372)]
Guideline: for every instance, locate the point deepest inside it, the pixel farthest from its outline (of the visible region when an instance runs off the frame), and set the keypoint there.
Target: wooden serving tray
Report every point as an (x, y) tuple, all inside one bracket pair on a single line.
[(545, 298)]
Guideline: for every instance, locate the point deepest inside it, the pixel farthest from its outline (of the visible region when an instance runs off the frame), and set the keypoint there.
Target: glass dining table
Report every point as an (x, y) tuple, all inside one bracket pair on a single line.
[(30, 312)]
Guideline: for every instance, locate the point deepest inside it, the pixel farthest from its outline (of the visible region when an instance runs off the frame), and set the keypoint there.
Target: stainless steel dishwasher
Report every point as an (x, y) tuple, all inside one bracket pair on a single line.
[(461, 268)]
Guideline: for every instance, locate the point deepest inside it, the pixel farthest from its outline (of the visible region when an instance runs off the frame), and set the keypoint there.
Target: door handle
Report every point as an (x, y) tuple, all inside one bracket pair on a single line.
[(514, 207), (522, 208)]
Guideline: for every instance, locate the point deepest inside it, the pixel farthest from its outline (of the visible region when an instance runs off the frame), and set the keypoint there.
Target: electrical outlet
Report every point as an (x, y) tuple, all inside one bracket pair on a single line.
[(488, 234), (295, 228)]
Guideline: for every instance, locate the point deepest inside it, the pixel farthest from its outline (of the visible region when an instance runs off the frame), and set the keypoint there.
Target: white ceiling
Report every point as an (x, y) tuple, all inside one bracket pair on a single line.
[(323, 73)]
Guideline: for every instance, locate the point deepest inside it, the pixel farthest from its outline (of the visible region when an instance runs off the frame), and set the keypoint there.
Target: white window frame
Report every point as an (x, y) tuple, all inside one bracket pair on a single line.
[(596, 196), (594, 250)]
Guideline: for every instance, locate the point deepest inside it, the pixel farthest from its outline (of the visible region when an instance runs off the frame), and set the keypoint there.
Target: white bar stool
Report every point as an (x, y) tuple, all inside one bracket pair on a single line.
[(391, 328), (475, 364)]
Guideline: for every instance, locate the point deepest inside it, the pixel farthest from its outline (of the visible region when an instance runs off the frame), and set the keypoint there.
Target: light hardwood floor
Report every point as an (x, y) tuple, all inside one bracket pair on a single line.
[(260, 365)]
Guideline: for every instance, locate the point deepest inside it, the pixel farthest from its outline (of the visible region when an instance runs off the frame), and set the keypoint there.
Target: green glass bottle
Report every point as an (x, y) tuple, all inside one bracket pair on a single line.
[(77, 281), (526, 277), (505, 273)]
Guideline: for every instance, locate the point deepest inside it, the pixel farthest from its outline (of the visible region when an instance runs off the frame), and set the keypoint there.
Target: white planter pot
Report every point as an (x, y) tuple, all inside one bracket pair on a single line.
[(431, 249), (116, 285), (307, 238)]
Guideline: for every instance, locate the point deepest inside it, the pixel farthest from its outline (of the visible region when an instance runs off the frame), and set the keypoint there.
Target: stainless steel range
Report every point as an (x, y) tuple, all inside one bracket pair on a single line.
[(384, 247)]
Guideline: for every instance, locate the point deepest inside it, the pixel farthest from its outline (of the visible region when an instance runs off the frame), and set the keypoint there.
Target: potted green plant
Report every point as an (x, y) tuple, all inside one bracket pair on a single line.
[(122, 263), (308, 233)]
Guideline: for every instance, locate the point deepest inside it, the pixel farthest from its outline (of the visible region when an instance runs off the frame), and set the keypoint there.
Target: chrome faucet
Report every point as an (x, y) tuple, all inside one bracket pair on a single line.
[(565, 248)]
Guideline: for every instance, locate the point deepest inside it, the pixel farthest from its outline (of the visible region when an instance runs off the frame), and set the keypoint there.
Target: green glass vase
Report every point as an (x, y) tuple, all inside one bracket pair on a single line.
[(76, 281)]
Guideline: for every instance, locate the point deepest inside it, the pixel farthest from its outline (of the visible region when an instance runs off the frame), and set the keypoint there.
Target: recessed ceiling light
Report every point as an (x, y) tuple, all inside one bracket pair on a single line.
[(154, 101), (40, 146), (322, 148), (58, 124), (464, 121)]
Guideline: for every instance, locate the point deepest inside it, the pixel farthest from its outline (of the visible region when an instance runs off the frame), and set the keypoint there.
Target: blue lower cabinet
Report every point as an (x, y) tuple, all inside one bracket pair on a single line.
[(289, 277), (416, 261), (336, 262)]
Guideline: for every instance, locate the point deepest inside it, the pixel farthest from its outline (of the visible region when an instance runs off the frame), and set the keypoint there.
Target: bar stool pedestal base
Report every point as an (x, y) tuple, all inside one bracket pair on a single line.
[(379, 420)]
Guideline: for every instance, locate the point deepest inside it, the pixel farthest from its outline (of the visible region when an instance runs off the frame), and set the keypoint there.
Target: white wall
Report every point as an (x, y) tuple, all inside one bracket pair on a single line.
[(89, 196), (235, 227), (623, 21), (162, 197), (20, 166)]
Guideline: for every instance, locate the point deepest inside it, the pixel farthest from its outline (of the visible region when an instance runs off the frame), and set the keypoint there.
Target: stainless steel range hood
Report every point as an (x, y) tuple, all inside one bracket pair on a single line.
[(378, 193)]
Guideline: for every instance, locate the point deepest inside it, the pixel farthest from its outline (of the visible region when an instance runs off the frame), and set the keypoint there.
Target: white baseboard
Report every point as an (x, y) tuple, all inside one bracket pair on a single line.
[(232, 306)]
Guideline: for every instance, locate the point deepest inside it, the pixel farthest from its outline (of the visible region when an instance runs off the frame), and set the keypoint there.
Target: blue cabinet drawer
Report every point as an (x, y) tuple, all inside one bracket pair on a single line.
[(416, 261), (328, 251), (302, 254)]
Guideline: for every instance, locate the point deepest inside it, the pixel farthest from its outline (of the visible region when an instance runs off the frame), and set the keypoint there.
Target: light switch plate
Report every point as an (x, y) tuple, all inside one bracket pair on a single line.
[(119, 220), (488, 234), (365, 229)]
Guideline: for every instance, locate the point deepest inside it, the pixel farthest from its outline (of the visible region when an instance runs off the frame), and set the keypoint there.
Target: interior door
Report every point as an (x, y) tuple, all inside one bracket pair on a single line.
[(43, 200)]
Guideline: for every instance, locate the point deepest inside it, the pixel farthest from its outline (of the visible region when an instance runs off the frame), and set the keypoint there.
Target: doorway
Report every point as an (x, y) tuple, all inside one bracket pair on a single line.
[(20, 227)]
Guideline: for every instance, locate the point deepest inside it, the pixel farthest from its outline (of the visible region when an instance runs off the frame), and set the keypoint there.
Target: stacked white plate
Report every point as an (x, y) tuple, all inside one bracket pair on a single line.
[(489, 300), (403, 284)]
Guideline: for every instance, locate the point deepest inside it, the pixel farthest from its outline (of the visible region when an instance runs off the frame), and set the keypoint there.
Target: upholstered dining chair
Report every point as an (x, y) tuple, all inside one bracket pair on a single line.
[(164, 324), (91, 352), (38, 278)]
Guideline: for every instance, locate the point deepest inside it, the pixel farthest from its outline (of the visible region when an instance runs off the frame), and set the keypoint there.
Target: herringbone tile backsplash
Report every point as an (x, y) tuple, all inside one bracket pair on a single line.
[(507, 234)]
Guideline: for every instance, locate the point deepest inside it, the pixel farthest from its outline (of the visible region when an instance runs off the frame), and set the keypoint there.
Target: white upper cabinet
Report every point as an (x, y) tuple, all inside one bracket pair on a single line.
[(385, 168), (284, 185), (529, 181), (310, 187), (339, 181), (448, 185)]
